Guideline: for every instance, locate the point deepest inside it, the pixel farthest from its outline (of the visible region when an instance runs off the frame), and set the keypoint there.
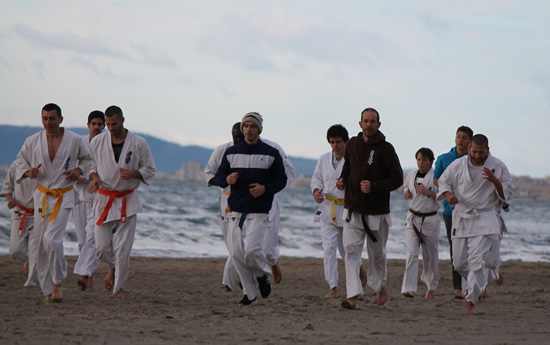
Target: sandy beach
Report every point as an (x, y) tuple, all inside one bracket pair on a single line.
[(181, 301)]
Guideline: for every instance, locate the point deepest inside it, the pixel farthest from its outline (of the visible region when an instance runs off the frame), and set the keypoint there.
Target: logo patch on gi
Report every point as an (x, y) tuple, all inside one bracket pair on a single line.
[(66, 166), (128, 157)]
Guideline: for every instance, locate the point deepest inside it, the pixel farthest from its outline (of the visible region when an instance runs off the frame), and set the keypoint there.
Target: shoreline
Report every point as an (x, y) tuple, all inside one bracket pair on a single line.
[(181, 300)]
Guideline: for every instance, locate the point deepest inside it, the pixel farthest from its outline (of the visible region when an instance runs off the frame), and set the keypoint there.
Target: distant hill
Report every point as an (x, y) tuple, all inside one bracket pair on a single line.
[(168, 156)]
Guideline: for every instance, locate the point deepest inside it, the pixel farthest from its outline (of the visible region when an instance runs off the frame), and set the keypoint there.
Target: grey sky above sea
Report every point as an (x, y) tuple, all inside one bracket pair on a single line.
[(185, 71)]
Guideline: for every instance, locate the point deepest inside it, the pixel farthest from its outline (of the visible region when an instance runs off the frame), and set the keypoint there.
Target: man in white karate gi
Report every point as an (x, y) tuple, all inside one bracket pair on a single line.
[(23, 240), (271, 239), (462, 141), (229, 272), (83, 215), (371, 171), (123, 161), (476, 184), (421, 226), (50, 157), (255, 172), (331, 200)]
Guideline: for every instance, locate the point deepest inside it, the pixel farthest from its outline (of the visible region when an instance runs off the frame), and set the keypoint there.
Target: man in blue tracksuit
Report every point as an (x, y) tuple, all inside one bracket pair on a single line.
[(462, 140), (255, 172)]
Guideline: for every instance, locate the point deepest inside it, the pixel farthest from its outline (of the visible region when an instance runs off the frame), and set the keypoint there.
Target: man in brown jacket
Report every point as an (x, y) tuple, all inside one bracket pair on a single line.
[(371, 171)]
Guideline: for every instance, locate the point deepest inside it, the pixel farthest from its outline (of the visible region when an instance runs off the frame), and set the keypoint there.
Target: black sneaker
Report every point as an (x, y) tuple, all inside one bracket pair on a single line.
[(246, 301), (265, 286)]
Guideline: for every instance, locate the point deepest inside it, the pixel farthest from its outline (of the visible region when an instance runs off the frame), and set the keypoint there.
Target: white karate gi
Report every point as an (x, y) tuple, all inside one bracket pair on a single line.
[(83, 217), (429, 229), (476, 227), (271, 240), (230, 274), (245, 248), (23, 240), (324, 177), (115, 236), (494, 259), (354, 237), (51, 264)]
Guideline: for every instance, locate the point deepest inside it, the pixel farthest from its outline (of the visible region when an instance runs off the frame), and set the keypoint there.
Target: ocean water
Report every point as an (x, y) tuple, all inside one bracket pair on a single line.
[(180, 219)]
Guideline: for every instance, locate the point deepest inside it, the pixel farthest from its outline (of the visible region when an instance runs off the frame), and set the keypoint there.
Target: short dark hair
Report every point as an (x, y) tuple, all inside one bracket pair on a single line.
[(426, 152), (96, 114), (113, 110), (466, 130), (236, 126), (480, 139), (336, 131), (373, 110), (52, 106)]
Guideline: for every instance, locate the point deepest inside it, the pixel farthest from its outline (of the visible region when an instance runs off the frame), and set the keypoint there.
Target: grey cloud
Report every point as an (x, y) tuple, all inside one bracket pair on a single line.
[(156, 56), (67, 41), (237, 41), (84, 63), (542, 80), (39, 67), (435, 25)]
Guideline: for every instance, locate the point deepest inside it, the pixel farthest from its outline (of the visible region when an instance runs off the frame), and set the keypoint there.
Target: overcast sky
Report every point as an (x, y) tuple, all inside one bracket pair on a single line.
[(185, 71)]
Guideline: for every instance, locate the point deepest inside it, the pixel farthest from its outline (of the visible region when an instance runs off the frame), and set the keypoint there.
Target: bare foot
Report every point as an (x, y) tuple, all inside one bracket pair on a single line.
[(82, 283), (363, 275), (470, 308), (276, 273), (458, 294), (57, 295), (118, 295), (90, 282), (500, 279), (350, 303), (382, 296), (109, 281), (26, 269), (333, 293), (483, 294), (48, 298), (429, 295), (408, 294)]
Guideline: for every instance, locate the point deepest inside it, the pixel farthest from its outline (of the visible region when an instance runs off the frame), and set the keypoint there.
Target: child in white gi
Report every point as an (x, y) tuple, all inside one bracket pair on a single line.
[(421, 226)]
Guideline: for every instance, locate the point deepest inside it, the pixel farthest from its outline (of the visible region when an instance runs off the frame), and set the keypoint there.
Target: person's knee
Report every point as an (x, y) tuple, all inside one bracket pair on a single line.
[(252, 256), (18, 254)]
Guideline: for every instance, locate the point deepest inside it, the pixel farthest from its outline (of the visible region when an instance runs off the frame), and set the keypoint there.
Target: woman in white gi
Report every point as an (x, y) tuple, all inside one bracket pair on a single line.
[(421, 226)]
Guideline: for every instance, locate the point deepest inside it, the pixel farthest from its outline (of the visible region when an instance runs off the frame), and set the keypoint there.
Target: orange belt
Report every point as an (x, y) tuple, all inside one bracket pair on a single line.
[(26, 212), (227, 209), (112, 194), (56, 193)]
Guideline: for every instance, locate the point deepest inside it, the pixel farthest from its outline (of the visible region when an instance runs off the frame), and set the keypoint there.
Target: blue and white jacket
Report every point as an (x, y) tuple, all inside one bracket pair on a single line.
[(258, 163)]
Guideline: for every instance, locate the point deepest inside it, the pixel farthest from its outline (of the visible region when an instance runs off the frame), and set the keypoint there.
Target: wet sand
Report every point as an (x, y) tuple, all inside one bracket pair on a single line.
[(181, 301)]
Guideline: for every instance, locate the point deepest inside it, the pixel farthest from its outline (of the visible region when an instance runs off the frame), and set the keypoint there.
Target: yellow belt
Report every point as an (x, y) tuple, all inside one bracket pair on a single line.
[(56, 193), (227, 209), (334, 200)]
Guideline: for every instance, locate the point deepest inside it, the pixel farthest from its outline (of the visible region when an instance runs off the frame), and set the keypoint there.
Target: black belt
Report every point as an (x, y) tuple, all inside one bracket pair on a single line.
[(423, 215), (365, 225)]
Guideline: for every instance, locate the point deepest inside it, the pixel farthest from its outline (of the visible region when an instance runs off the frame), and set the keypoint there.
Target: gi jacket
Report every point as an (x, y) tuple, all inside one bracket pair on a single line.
[(377, 162)]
